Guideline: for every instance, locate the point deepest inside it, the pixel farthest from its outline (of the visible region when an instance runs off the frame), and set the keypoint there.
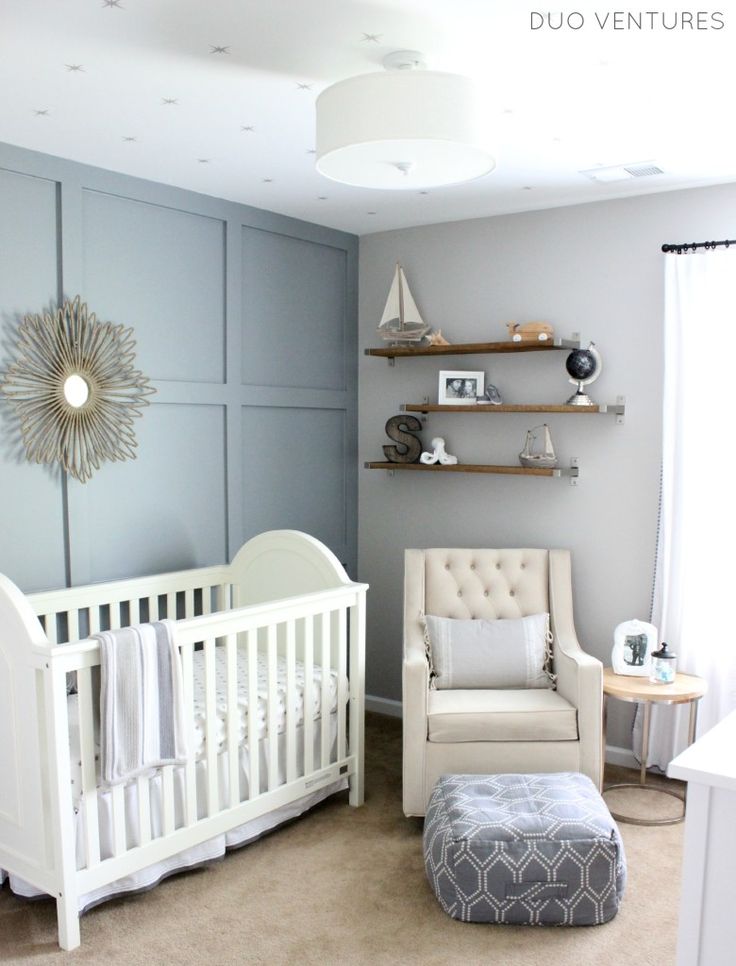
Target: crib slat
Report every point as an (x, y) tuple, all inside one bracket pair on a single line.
[(189, 603), (290, 701), (135, 612), (190, 782), (89, 776), (49, 623), (210, 688), (153, 607), (144, 810), (308, 695), (118, 820), (171, 606), (115, 620), (254, 771), (206, 600), (273, 737), (167, 787), (342, 697), (233, 718), (324, 705), (94, 620), (72, 625), (222, 597)]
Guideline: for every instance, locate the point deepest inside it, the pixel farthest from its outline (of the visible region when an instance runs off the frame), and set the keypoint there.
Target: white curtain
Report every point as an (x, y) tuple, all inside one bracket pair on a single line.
[(695, 582)]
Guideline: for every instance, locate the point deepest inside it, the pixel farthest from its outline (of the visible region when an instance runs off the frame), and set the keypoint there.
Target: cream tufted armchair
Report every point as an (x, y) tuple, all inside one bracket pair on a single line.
[(493, 731)]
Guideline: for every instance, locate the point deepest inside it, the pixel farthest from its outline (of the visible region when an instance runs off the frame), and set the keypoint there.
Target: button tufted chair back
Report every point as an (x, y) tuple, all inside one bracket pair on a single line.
[(488, 584)]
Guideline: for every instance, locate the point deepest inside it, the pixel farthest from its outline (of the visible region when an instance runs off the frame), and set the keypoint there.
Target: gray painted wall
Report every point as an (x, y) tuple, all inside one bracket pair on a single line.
[(596, 269), (245, 323)]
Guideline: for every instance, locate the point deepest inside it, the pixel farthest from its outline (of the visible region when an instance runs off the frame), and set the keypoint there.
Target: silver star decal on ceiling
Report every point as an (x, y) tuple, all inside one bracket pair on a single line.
[(304, 87), (311, 151), (203, 160), (321, 197), (74, 68), (129, 139), (371, 38), (214, 49), (267, 180), (247, 127), (43, 113), (169, 100), (113, 4)]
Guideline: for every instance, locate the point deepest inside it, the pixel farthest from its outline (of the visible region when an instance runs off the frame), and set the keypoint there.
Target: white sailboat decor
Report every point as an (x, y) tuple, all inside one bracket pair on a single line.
[(530, 456), (401, 322)]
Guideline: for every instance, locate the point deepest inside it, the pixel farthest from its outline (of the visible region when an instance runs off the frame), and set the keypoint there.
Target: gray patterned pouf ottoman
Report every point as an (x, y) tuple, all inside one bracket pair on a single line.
[(524, 849)]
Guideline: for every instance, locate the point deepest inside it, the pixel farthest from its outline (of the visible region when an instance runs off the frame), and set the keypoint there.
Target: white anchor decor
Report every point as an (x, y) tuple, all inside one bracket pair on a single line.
[(75, 390)]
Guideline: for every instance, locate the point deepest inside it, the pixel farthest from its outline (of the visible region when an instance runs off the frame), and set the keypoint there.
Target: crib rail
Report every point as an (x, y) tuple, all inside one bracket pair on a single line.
[(77, 612), (226, 779)]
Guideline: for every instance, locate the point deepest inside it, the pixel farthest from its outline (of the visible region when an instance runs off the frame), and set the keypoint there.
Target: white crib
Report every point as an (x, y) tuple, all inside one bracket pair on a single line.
[(286, 605)]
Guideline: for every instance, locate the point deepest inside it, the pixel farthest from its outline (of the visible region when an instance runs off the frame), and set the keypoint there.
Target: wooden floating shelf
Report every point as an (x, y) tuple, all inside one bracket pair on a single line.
[(473, 468), (616, 408), (470, 348)]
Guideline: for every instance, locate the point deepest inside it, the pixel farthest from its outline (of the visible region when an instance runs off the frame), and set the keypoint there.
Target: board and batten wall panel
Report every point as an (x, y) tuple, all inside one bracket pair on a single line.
[(218, 459), (162, 271), (31, 508), (308, 447), (172, 516), (294, 294)]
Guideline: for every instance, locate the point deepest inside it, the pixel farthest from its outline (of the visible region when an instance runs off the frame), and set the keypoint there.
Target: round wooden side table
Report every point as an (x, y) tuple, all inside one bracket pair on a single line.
[(685, 689)]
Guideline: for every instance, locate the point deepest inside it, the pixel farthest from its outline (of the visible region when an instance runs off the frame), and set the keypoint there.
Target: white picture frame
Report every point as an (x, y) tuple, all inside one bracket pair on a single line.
[(460, 387), (633, 643)]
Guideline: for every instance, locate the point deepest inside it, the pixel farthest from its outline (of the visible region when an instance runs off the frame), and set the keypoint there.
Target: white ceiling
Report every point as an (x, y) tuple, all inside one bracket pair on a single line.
[(240, 123)]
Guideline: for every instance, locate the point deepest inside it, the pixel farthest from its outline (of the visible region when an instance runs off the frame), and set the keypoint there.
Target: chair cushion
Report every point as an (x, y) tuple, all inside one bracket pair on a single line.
[(534, 715), (505, 653)]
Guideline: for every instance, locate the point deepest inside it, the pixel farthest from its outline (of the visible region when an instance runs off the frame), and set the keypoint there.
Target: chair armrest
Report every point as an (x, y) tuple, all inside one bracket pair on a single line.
[(579, 675), (415, 685), (415, 674)]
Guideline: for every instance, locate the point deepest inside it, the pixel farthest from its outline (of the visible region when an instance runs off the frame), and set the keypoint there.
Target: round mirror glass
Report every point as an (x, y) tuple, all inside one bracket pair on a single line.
[(76, 391)]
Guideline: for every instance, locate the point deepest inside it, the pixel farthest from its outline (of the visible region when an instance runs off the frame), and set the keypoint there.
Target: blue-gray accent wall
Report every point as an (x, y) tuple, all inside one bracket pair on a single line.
[(246, 325)]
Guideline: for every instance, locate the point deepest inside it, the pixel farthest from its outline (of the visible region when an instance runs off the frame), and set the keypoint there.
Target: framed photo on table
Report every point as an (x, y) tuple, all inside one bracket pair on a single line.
[(633, 643), (460, 387)]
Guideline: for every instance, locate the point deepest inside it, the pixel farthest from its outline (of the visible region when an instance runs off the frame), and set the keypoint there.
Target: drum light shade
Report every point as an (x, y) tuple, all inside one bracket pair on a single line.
[(402, 129)]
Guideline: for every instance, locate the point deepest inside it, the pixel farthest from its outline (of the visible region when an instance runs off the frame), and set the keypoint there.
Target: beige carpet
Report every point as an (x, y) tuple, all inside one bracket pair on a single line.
[(344, 886)]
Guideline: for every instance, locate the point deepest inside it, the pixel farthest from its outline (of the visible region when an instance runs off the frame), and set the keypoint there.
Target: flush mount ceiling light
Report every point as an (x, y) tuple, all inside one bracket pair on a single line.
[(402, 128)]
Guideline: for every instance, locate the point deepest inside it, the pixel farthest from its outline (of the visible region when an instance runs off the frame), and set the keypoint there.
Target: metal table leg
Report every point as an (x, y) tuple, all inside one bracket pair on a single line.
[(642, 783)]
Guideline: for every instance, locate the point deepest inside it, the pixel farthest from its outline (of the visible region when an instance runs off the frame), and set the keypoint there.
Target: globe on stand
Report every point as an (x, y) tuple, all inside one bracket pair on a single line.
[(584, 365)]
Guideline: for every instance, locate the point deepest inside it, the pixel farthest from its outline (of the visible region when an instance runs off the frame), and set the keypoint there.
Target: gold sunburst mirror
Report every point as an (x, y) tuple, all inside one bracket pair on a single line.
[(75, 390)]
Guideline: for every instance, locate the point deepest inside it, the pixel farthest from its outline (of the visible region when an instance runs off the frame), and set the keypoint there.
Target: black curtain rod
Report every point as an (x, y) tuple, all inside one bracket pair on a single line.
[(686, 247)]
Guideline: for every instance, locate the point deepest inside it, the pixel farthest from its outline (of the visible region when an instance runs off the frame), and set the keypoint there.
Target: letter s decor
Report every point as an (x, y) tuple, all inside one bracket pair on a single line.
[(401, 429)]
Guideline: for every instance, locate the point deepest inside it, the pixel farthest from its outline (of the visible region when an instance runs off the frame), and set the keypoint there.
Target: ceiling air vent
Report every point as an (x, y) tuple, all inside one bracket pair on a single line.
[(623, 172), (643, 170)]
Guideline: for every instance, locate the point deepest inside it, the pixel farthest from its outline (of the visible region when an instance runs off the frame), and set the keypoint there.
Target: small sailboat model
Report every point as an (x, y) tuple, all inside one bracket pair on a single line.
[(531, 456), (401, 323)]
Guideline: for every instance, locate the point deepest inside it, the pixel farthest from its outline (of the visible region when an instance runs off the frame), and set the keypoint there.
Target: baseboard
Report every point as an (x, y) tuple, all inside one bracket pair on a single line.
[(383, 706), (621, 756)]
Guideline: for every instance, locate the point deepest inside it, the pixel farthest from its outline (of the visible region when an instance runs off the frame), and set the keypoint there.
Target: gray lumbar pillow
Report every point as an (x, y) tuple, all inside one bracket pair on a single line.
[(489, 654)]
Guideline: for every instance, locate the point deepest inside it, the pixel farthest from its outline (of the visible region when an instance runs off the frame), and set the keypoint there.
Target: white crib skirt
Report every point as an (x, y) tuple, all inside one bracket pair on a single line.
[(207, 851)]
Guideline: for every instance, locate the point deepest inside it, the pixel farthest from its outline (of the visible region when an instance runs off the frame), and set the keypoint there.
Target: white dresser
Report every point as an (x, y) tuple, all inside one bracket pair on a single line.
[(707, 930)]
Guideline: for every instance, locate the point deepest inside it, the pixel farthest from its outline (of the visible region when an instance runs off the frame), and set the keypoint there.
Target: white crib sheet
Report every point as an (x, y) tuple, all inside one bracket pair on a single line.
[(221, 688)]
